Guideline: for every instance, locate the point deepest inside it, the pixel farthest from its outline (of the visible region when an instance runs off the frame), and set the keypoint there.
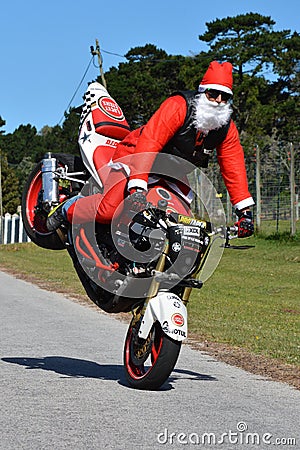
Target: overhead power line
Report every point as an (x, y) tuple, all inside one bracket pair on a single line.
[(114, 54), (77, 89), (94, 52)]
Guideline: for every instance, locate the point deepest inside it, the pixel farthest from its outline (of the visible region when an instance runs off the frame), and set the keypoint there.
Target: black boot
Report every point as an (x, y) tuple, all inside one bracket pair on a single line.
[(56, 218)]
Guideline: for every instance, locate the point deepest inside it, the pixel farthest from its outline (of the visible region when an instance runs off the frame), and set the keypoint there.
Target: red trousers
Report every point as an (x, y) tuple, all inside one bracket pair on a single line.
[(100, 207)]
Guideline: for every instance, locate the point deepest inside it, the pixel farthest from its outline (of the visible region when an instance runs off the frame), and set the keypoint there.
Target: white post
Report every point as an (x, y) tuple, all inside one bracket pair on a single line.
[(7, 218), (20, 236), (13, 228)]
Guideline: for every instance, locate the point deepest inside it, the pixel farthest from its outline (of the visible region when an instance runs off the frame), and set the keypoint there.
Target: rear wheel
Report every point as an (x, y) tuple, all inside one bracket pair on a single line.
[(33, 213), (149, 362)]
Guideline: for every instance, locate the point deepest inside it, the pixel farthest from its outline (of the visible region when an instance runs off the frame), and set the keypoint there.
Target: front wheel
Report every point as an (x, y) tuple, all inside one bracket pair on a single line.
[(149, 362)]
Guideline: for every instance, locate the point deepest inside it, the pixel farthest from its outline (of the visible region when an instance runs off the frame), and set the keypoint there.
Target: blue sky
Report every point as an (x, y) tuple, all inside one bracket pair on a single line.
[(45, 45)]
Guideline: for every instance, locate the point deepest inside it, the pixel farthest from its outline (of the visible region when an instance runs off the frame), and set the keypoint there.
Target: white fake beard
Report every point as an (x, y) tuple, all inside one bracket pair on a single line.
[(210, 115)]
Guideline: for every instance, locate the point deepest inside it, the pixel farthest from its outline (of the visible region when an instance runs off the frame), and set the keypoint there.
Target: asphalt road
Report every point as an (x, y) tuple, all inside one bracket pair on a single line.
[(62, 386)]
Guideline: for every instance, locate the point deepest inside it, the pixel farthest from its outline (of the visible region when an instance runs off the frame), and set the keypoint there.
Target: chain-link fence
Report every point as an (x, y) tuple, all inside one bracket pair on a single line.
[(275, 192)]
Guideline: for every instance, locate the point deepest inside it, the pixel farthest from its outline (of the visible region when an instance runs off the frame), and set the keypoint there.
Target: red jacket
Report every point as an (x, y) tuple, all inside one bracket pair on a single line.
[(161, 127)]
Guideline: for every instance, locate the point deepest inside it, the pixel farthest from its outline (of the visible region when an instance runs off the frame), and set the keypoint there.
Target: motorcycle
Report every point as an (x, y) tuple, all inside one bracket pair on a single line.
[(146, 262)]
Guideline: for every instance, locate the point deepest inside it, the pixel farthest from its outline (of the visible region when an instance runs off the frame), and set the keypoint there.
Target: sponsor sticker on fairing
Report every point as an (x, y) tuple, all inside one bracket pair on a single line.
[(179, 332), (177, 319), (190, 221), (110, 108), (176, 247), (191, 231), (111, 143)]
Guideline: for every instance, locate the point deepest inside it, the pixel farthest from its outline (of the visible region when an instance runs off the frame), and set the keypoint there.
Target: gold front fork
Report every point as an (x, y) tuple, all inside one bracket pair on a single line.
[(186, 295), (159, 268), (153, 286)]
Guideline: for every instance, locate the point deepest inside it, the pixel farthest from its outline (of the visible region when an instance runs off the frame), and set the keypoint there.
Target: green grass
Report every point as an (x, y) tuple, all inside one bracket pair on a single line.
[(251, 301), (51, 267), (272, 226)]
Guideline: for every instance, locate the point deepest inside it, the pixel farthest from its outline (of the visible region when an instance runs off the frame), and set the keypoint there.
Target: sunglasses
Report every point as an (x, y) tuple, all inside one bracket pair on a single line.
[(214, 94)]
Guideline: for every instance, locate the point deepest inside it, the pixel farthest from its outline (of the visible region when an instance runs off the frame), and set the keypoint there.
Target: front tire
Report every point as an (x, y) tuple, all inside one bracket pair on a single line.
[(149, 363)]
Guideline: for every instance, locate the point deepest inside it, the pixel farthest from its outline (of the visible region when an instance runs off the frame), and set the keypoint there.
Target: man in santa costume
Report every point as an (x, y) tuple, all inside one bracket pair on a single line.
[(189, 125)]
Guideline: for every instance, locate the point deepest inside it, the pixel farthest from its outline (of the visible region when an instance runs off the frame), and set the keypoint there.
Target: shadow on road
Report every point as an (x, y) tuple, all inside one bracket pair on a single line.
[(190, 375), (71, 367), (79, 368)]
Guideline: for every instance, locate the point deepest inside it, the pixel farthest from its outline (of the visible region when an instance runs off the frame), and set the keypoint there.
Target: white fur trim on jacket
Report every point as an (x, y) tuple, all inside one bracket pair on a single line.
[(219, 87), (244, 203), (137, 183)]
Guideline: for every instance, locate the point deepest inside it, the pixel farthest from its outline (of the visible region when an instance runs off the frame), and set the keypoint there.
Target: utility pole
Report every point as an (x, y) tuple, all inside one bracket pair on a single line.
[(100, 62), (258, 189), (293, 190)]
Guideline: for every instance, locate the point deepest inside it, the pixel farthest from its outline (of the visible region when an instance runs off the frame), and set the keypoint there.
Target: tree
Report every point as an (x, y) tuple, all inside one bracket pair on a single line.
[(62, 139), (2, 123), (249, 42), (52, 139), (24, 141), (69, 132), (22, 171), (10, 187), (192, 69), (141, 84)]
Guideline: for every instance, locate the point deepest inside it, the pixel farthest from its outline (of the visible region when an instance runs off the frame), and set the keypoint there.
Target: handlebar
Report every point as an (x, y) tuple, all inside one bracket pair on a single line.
[(159, 215), (152, 216), (229, 233)]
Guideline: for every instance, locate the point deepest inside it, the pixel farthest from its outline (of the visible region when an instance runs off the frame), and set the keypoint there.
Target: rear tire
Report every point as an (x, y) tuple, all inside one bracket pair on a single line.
[(162, 351), (33, 215)]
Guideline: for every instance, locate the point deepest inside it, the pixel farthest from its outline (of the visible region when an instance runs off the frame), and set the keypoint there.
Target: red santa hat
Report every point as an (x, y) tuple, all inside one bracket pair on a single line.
[(218, 76)]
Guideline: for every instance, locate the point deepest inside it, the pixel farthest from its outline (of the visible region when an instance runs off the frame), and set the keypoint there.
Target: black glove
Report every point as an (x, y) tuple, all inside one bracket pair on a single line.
[(136, 201), (245, 224)]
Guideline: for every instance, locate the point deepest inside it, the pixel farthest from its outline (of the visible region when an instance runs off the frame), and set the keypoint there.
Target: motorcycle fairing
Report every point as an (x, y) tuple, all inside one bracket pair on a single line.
[(97, 151), (168, 309), (102, 126)]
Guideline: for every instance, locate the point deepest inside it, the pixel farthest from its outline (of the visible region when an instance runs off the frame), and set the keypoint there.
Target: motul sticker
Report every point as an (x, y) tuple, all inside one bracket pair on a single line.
[(180, 332), (178, 320), (110, 108)]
